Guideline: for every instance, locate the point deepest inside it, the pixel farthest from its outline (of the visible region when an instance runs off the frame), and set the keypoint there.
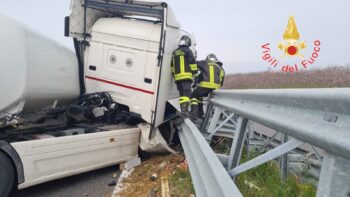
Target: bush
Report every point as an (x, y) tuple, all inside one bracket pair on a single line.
[(330, 77)]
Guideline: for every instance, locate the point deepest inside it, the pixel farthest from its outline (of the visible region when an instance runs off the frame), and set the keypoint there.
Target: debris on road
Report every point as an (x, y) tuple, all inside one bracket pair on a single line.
[(183, 165), (115, 175), (168, 170), (154, 177), (165, 187), (252, 185), (113, 183), (130, 164)]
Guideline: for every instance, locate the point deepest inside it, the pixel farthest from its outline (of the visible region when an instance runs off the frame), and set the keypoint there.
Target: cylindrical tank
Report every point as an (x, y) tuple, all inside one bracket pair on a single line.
[(34, 70)]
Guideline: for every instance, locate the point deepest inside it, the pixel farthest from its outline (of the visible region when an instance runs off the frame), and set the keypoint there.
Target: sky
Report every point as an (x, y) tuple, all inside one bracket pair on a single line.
[(234, 30)]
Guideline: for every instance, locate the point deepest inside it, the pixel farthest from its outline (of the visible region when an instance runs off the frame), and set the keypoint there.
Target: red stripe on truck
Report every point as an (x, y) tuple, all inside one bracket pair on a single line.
[(120, 85)]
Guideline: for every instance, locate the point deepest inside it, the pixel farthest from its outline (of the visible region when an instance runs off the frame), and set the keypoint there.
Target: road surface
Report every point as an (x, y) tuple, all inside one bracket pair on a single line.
[(91, 184)]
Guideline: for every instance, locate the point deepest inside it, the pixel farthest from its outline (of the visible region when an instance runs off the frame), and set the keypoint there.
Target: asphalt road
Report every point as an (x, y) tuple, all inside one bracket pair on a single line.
[(91, 184)]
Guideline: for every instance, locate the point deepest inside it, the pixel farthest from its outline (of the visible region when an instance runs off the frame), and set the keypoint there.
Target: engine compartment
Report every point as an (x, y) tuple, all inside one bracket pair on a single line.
[(90, 113)]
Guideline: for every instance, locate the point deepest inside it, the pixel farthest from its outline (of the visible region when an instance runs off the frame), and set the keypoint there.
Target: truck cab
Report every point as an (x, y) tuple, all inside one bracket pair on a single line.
[(126, 51), (122, 59), (121, 67)]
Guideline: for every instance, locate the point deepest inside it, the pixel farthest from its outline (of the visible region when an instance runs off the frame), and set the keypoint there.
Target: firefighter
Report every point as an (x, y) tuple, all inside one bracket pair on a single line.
[(211, 77), (184, 67)]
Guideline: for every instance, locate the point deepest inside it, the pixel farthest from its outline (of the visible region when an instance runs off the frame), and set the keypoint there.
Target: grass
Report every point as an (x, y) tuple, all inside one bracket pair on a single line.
[(221, 145), (180, 183), (264, 181)]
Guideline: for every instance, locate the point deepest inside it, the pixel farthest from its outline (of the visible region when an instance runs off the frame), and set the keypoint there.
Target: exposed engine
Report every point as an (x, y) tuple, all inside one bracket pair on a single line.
[(99, 107), (89, 109)]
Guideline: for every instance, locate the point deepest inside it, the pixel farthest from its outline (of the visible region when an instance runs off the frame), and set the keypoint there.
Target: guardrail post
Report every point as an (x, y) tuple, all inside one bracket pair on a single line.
[(237, 143), (284, 159), (212, 133), (206, 117), (214, 120), (335, 177), (248, 138)]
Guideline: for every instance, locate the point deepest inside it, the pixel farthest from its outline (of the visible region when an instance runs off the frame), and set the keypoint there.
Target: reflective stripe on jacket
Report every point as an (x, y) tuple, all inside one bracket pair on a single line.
[(212, 75), (183, 64)]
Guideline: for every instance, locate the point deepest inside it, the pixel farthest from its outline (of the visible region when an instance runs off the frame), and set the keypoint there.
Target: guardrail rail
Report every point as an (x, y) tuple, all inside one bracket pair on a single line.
[(319, 117)]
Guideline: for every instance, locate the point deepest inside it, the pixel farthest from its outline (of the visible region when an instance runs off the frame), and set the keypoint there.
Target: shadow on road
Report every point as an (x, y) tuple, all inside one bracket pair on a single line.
[(93, 184)]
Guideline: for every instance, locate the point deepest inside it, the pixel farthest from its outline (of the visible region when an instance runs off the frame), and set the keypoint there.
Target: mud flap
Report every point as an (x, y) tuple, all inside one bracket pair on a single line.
[(155, 145)]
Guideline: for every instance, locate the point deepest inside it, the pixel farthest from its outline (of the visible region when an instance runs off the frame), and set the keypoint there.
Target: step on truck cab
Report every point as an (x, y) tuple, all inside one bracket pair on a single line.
[(121, 70)]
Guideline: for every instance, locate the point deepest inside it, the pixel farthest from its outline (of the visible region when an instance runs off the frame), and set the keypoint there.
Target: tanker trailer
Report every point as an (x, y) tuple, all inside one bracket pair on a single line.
[(35, 71)]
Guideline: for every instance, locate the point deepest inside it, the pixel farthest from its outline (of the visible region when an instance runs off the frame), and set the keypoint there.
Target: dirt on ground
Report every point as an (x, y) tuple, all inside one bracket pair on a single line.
[(174, 167)]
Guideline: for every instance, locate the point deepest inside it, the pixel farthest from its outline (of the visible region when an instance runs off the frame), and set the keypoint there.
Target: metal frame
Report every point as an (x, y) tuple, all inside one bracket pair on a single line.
[(270, 155), (320, 117), (151, 9), (302, 114), (334, 177)]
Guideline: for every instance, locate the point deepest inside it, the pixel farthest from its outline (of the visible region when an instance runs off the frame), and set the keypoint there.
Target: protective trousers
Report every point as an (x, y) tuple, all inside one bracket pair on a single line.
[(197, 101), (184, 88)]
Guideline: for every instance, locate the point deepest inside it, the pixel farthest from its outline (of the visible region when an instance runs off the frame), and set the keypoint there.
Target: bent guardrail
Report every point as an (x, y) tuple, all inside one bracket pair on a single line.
[(209, 176)]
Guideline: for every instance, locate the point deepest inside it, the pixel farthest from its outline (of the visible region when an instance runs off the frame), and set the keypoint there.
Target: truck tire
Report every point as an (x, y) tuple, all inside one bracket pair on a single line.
[(7, 175)]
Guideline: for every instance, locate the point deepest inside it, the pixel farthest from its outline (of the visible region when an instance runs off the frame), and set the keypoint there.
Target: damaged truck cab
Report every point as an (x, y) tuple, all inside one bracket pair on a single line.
[(126, 51), (121, 70)]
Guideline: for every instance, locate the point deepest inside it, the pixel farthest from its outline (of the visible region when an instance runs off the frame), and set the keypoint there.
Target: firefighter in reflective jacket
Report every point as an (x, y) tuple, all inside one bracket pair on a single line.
[(184, 67), (211, 77)]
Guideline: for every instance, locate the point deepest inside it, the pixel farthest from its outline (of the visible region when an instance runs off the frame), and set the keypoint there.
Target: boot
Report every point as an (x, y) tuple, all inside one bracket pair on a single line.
[(194, 111), (200, 111), (184, 109)]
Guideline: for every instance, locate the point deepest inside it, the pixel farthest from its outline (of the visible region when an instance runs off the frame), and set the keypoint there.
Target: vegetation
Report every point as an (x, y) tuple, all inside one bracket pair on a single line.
[(181, 183), (330, 77), (265, 181)]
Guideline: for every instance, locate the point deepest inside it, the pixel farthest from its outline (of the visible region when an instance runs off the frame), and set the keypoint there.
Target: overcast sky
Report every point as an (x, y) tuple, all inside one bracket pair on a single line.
[(233, 29)]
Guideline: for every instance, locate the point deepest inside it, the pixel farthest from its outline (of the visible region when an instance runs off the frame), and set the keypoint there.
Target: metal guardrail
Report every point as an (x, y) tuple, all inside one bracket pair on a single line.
[(320, 117), (209, 176), (306, 159)]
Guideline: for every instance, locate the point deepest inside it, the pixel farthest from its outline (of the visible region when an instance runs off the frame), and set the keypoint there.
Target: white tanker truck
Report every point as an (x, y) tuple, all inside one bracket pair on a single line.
[(63, 113)]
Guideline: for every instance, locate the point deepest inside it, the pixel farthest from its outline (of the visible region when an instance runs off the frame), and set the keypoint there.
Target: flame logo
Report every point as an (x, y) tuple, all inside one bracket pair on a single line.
[(291, 32), (290, 45)]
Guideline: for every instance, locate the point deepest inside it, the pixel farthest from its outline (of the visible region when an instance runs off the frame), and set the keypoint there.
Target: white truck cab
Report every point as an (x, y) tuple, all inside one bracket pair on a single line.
[(122, 59), (127, 50), (121, 71)]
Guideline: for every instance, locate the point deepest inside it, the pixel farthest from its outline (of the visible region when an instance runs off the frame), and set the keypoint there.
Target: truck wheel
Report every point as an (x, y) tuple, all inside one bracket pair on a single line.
[(7, 175)]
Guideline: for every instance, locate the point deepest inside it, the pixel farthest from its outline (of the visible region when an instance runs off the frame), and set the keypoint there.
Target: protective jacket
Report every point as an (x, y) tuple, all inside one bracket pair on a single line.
[(183, 64), (211, 76)]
